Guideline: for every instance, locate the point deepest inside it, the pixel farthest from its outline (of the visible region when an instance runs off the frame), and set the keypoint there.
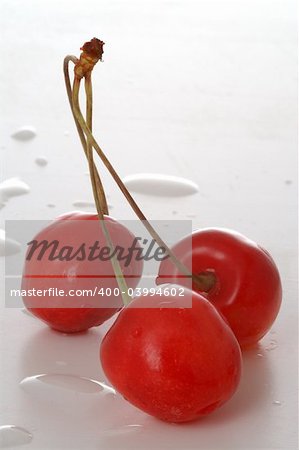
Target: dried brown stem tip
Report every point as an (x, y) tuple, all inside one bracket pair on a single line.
[(91, 54)]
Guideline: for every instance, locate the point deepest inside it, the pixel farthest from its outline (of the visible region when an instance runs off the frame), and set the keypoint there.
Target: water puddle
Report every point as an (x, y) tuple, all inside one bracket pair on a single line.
[(41, 161), (12, 436), (25, 133), (8, 246), (12, 187), (160, 185)]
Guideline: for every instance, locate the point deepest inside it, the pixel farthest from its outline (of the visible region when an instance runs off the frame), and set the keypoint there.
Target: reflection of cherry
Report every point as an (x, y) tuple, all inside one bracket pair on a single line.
[(246, 287), (175, 362), (77, 313)]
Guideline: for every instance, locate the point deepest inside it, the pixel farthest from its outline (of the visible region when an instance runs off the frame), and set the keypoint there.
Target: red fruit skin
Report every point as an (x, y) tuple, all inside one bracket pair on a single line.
[(73, 229), (248, 289), (177, 364)]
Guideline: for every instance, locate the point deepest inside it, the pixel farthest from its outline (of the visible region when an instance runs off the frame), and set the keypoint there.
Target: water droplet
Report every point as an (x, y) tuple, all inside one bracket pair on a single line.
[(160, 185), (84, 204), (272, 346), (41, 161), (137, 332), (260, 355), (25, 133), (174, 212), (50, 205), (11, 436), (8, 246), (124, 430), (13, 187), (66, 133), (71, 394), (288, 182), (276, 402), (51, 383)]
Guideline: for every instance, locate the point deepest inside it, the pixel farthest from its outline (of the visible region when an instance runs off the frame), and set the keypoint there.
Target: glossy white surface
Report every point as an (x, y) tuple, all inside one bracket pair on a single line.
[(203, 90)]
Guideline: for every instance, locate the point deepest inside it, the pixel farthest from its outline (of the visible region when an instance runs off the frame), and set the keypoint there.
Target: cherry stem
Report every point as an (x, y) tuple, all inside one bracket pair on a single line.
[(207, 280), (88, 89), (92, 52), (92, 170), (197, 280)]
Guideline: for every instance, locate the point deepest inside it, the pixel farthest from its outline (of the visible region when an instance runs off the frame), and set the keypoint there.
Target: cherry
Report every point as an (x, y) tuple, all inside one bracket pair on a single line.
[(173, 361), (77, 313), (242, 280)]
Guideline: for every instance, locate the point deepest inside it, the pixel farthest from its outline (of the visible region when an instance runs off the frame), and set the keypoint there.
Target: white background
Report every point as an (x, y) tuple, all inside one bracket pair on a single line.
[(201, 89)]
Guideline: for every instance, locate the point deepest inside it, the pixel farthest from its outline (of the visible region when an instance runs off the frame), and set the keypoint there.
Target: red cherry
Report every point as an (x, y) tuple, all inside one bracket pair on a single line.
[(247, 289), (174, 362), (77, 313)]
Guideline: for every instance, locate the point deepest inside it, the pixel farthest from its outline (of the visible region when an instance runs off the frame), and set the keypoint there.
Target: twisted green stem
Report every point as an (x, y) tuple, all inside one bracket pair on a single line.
[(92, 170)]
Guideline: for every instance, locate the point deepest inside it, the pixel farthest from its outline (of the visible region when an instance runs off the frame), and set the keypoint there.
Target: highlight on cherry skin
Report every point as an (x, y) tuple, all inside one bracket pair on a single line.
[(175, 362), (246, 289), (76, 314)]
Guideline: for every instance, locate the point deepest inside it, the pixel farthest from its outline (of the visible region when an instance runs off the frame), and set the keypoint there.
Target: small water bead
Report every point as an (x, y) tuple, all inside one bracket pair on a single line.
[(12, 187), (137, 333), (25, 133), (12, 436), (272, 346), (51, 205), (84, 204), (8, 246), (41, 161), (277, 402), (160, 185)]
